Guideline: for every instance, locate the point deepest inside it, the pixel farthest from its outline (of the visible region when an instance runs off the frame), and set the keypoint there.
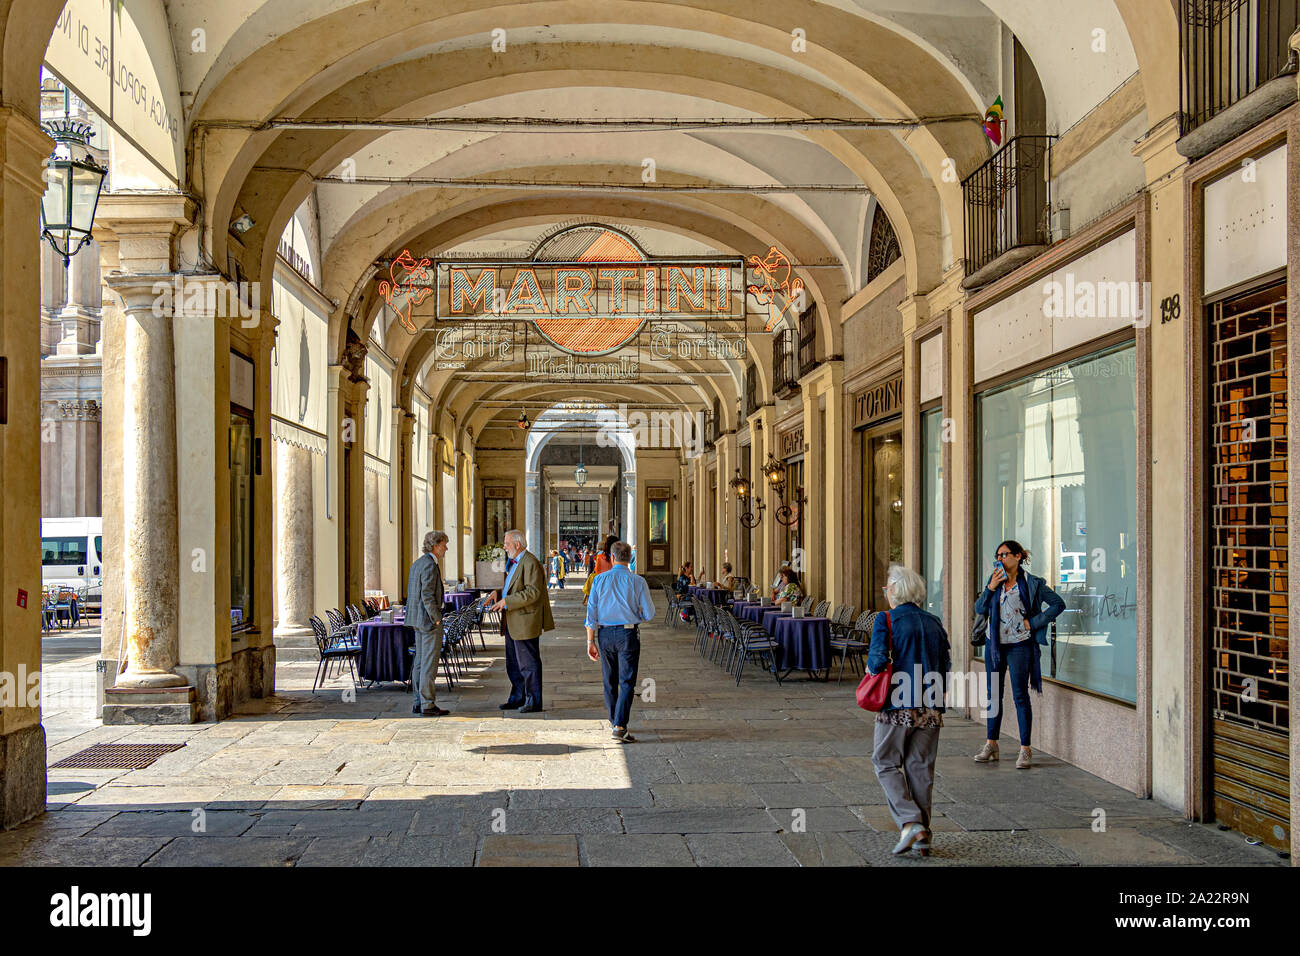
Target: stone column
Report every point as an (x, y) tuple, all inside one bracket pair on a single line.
[(295, 547), (629, 509), (148, 494), (79, 317), (373, 578), (22, 739), (533, 511)]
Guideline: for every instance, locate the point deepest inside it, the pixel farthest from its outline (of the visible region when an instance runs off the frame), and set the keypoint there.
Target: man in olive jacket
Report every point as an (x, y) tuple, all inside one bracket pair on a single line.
[(526, 613)]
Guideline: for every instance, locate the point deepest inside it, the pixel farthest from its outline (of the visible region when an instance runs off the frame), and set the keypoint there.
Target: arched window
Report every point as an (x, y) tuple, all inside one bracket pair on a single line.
[(883, 248)]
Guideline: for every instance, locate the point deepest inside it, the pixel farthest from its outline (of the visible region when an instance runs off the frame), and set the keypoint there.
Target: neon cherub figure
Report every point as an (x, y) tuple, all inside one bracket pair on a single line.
[(404, 286), (778, 276)]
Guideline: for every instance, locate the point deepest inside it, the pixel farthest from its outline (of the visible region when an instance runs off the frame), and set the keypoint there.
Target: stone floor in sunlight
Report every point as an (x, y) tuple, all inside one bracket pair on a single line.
[(755, 774)]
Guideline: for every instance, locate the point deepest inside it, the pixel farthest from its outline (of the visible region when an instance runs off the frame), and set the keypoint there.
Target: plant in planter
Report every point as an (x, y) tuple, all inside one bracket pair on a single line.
[(490, 566)]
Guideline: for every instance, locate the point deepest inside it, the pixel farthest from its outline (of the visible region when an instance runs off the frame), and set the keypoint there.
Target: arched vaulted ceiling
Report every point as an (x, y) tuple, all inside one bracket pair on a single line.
[(272, 78)]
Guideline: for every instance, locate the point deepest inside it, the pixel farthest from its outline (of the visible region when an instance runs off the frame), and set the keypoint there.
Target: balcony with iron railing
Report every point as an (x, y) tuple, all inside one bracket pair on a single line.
[(1238, 67), (807, 341), (785, 363), (751, 390), (1007, 203)]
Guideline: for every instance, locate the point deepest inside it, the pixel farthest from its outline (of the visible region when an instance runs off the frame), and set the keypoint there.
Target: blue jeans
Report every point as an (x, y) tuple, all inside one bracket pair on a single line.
[(1016, 659), (620, 653)]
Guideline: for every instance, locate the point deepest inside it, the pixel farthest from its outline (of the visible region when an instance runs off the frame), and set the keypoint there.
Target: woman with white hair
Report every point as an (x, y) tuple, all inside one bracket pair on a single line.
[(907, 728)]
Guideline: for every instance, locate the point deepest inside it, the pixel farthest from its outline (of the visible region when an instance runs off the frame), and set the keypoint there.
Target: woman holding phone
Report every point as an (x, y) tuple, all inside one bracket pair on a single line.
[(1013, 601)]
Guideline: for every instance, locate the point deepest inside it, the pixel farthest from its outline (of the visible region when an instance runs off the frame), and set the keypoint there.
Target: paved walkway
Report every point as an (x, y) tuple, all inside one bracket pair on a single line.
[(756, 774)]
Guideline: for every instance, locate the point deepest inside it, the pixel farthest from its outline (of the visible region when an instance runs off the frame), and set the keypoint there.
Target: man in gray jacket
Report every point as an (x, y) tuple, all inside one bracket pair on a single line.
[(424, 614)]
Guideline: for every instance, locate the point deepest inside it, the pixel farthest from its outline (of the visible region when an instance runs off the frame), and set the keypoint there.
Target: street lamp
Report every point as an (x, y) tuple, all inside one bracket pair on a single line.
[(580, 473), (774, 472), (752, 515), (73, 182)]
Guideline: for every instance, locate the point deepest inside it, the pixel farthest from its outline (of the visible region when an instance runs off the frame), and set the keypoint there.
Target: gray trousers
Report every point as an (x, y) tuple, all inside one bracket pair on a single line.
[(904, 761), (424, 669)]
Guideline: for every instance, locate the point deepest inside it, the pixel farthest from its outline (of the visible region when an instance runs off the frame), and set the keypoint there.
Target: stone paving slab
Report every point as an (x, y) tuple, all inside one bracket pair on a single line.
[(755, 774)]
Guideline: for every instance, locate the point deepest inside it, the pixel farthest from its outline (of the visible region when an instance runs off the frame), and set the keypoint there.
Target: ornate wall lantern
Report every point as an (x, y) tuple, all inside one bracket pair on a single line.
[(73, 183)]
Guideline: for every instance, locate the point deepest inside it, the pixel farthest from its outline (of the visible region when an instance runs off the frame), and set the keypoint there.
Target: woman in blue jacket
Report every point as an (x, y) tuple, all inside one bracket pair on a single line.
[(1013, 601), (906, 740)]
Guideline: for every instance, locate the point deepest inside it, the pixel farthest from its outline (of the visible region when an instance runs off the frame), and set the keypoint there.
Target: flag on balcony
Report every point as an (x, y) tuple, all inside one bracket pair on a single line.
[(993, 122)]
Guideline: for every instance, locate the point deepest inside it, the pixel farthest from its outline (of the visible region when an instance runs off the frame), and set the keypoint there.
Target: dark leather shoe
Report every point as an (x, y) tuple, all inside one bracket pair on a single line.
[(415, 708), (435, 712), (511, 705), (530, 709)]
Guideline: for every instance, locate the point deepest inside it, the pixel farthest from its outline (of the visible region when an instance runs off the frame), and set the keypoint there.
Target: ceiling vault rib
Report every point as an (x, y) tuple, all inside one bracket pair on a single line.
[(545, 124)]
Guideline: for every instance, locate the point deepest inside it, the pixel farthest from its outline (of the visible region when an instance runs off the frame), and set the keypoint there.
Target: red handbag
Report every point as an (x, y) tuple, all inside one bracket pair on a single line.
[(873, 691)]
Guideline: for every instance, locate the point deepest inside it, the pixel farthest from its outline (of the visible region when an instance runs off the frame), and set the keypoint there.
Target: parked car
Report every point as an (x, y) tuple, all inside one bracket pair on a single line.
[(1073, 568), (72, 556)]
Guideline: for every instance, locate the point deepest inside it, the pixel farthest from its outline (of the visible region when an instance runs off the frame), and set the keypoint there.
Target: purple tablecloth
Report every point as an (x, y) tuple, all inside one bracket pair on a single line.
[(755, 612), (458, 599), (738, 607), (805, 643), (712, 595), (385, 651), (769, 617)]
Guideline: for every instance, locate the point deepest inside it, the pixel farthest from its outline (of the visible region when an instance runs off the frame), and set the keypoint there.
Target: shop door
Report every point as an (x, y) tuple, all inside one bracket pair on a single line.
[(882, 506), (1249, 714)]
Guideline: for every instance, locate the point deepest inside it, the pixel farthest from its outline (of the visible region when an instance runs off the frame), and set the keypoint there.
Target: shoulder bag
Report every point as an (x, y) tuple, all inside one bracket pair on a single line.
[(873, 691)]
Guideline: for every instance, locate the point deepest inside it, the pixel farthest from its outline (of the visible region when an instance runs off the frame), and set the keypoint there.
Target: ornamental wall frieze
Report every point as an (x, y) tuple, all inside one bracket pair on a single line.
[(88, 410)]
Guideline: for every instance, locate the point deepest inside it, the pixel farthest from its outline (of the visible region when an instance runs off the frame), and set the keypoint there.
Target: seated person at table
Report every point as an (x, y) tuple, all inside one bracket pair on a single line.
[(682, 587), (778, 582), (790, 593), (728, 582)]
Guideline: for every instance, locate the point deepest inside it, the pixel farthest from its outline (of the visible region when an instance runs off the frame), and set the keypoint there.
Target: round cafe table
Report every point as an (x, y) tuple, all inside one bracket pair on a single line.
[(804, 644), (458, 599), (755, 612), (712, 595), (385, 651), (769, 617), (738, 607)]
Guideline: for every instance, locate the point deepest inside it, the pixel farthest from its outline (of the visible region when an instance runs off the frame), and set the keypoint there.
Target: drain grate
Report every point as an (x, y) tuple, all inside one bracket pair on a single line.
[(117, 756)]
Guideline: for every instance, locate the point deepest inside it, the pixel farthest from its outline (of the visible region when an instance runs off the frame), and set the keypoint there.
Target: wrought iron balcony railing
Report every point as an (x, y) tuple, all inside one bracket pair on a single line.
[(785, 358), (1229, 49), (1007, 201)]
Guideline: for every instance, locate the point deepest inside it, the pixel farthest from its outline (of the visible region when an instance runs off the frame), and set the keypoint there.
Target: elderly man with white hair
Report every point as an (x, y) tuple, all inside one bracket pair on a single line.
[(526, 606), (424, 614)]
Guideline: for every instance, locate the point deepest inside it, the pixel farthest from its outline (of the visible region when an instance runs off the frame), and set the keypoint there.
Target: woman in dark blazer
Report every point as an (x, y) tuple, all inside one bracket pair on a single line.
[(906, 740), (1018, 623)]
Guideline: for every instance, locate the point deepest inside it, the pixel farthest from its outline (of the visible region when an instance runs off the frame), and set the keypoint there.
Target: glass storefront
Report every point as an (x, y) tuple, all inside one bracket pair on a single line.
[(1057, 466), (241, 516), (882, 519), (932, 509)]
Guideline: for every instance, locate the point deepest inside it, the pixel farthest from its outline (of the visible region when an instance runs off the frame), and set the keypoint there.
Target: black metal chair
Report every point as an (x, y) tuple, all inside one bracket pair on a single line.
[(854, 643), (820, 609), (334, 650), (750, 640)]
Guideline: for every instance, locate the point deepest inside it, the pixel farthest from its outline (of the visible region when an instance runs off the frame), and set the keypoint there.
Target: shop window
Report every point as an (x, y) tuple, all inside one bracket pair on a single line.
[(241, 517), (932, 509), (882, 470), (1057, 472)]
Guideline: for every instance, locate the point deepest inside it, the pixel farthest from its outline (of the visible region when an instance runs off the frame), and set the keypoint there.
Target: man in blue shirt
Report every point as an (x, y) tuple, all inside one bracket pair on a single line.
[(620, 601)]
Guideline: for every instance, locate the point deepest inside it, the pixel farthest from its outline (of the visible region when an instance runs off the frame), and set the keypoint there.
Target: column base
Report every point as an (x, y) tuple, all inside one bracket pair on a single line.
[(296, 644), (150, 705), (22, 776)]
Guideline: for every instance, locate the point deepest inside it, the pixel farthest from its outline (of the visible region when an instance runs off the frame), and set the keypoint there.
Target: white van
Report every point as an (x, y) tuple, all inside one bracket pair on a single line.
[(72, 556)]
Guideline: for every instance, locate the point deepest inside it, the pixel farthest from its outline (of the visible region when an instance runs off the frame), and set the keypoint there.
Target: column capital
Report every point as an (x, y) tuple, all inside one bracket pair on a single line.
[(1158, 149), (23, 147), (146, 227)]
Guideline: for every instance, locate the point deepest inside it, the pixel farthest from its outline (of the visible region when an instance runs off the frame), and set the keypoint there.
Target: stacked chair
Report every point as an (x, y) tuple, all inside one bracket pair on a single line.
[(853, 642)]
